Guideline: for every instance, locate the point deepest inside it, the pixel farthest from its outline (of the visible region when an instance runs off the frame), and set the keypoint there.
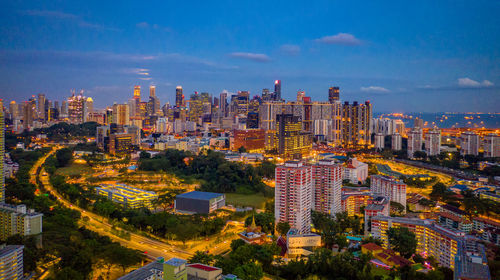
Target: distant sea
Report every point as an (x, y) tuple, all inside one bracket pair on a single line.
[(448, 120)]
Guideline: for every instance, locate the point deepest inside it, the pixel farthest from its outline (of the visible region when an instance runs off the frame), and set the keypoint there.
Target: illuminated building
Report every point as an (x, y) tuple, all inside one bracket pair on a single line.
[(333, 94), (396, 142), (471, 262), (433, 142), (153, 107), (179, 97), (418, 123), (355, 171), (76, 108), (454, 222), (129, 196), (351, 202), (41, 106), (301, 243), (121, 143), (469, 143), (414, 142), (11, 262), (432, 239), (253, 120), (376, 206), (199, 202), (16, 219), (277, 90), (253, 234), (356, 128), (88, 108), (253, 140), (223, 103), (327, 186), (29, 114), (175, 269), (300, 95), (293, 191), (196, 106), (2, 153), (14, 110), (292, 141), (390, 187), (491, 145), (379, 141), (121, 114)]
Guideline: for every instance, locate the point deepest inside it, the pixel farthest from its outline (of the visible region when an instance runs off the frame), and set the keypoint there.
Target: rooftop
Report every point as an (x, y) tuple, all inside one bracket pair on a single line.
[(199, 195), (176, 262), (203, 267)]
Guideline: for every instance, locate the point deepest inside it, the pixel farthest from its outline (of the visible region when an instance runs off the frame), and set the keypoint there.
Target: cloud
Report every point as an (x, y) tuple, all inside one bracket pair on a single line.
[(290, 49), (146, 79), (258, 57), (68, 17), (376, 89), (467, 82), (340, 39), (155, 26)]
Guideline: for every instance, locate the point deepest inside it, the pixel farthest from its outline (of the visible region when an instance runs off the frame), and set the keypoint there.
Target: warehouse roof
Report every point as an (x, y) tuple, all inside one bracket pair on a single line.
[(199, 195)]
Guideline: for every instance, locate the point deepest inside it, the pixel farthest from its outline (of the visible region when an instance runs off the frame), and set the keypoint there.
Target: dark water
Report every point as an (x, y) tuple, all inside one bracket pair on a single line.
[(449, 120)]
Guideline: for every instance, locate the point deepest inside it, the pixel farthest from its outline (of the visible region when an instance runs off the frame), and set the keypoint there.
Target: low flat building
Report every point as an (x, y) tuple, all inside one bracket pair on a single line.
[(298, 244), (198, 271), (355, 171), (199, 202), (16, 219), (127, 195)]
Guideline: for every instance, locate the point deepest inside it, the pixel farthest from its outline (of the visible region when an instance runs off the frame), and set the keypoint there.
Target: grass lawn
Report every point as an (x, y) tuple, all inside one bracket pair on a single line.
[(74, 169), (253, 200)]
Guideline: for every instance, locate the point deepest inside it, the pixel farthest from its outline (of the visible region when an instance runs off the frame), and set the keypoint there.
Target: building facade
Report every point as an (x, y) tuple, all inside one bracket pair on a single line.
[(327, 186)]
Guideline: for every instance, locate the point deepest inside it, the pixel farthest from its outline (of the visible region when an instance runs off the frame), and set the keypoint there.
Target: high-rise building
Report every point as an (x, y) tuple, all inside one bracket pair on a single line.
[(121, 114), (385, 126), (152, 90), (327, 186), (2, 153), (491, 145), (64, 108), (418, 123), (469, 143), (300, 95), (277, 90), (293, 195), (253, 140), (11, 262), (137, 102), (223, 103), (88, 108), (396, 142), (179, 97), (333, 94), (433, 142), (137, 92), (414, 142), (390, 187), (292, 141), (379, 141), (16, 219), (14, 110), (76, 108), (29, 114), (356, 128), (41, 106)]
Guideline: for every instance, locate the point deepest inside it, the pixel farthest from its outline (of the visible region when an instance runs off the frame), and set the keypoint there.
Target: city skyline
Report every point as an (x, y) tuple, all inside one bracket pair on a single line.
[(421, 58)]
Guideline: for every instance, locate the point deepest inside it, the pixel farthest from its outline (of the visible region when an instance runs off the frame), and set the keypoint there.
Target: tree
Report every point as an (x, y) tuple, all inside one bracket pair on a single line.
[(402, 240), (144, 155), (242, 149), (249, 271), (202, 257), (64, 157), (439, 192), (68, 273), (283, 228)]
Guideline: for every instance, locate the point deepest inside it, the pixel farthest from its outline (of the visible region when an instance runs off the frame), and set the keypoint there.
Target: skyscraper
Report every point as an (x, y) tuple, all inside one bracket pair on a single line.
[(300, 95), (121, 114), (14, 110), (152, 90), (29, 114), (293, 195), (469, 143), (137, 101), (137, 92), (76, 108), (396, 142), (223, 103), (327, 185), (433, 142), (88, 108), (277, 90), (41, 106), (491, 145), (414, 142), (179, 97), (2, 153), (333, 94), (292, 141), (356, 124), (379, 141)]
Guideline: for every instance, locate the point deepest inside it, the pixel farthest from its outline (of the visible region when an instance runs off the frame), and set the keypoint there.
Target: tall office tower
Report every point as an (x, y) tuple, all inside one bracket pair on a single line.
[(14, 110), (132, 106), (11, 262), (29, 114), (433, 142), (88, 108), (76, 108), (241, 102), (327, 186), (293, 195), (64, 108), (469, 143), (491, 145), (266, 95), (396, 142), (223, 103), (121, 114), (400, 127), (292, 141), (418, 123), (300, 95), (390, 187), (152, 90), (379, 141), (179, 97), (56, 105), (414, 142), (137, 92), (333, 94), (137, 101), (41, 106), (2, 153), (356, 127), (277, 90)]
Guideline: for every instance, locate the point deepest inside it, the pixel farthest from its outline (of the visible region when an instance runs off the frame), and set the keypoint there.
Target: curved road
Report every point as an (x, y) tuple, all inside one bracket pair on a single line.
[(151, 248)]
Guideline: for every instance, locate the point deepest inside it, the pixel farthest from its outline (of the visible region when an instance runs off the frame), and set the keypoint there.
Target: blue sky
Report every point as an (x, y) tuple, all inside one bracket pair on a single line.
[(422, 56)]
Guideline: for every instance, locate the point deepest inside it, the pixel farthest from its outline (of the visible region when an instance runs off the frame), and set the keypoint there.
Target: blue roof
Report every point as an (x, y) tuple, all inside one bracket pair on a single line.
[(460, 187), (199, 195), (176, 262)]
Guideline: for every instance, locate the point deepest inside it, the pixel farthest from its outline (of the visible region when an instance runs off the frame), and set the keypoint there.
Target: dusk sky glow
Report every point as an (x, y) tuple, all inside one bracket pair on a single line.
[(403, 56)]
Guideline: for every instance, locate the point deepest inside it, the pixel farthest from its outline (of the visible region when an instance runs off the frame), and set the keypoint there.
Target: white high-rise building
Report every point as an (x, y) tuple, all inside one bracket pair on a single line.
[(379, 141), (396, 142), (293, 195), (469, 143), (433, 142), (384, 126), (491, 145), (390, 187), (414, 142), (327, 186)]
